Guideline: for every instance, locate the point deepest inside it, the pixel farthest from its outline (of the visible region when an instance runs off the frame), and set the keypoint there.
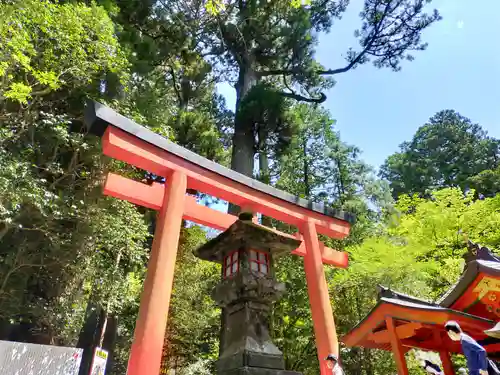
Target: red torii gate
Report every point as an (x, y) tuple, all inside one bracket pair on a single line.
[(124, 140)]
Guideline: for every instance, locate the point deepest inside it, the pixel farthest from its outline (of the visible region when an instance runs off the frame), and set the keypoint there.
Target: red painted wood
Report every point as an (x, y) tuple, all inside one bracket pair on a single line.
[(151, 196), (397, 348), (127, 148), (173, 205), (146, 351), (433, 319), (425, 345), (232, 262), (468, 297), (321, 309), (492, 348), (339, 259), (207, 216), (404, 331), (446, 361)]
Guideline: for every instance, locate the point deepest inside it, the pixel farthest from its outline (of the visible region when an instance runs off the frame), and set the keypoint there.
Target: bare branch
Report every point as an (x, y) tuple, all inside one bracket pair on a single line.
[(301, 98), (392, 33)]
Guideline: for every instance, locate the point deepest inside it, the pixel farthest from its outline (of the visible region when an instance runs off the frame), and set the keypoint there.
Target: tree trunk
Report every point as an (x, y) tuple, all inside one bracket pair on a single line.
[(307, 182), (242, 159), (341, 184), (264, 173)]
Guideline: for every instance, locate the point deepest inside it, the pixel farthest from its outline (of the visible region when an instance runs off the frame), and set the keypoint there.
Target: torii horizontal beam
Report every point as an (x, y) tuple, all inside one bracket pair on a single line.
[(122, 146), (152, 196)]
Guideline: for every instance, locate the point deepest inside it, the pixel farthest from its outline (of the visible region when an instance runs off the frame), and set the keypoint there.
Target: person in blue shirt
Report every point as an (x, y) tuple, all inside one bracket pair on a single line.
[(477, 361)]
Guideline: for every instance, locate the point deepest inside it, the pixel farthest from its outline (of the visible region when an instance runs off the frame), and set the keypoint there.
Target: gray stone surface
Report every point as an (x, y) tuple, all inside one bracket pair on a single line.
[(246, 299), (246, 234)]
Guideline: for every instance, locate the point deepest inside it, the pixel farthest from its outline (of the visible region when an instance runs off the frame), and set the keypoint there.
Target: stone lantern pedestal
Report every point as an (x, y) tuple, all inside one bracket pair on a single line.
[(246, 293)]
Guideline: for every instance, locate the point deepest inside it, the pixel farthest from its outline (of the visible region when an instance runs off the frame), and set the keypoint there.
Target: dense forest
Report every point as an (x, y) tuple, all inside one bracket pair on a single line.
[(65, 247)]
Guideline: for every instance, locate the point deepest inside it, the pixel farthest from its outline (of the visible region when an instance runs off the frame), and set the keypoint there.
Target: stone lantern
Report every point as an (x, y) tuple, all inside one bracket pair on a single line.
[(246, 293)]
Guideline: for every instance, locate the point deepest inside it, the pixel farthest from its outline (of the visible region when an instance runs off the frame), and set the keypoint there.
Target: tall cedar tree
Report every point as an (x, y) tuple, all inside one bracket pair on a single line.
[(252, 42)]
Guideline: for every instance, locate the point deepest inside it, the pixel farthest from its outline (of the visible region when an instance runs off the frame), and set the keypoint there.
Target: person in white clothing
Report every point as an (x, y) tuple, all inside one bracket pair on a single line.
[(333, 363), (432, 368)]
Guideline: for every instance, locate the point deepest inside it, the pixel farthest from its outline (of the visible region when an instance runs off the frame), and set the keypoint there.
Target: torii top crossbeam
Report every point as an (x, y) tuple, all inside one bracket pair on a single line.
[(124, 140)]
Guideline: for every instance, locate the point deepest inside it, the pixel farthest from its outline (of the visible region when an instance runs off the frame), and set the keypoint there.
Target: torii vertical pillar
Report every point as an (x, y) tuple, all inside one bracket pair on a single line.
[(319, 298), (444, 355), (146, 352), (397, 348), (446, 361)]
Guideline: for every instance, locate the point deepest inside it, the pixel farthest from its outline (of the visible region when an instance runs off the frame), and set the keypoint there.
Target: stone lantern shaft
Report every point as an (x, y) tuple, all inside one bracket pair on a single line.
[(246, 293)]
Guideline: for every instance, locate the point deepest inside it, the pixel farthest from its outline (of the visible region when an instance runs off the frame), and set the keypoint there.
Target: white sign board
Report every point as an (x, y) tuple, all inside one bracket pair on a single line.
[(19, 358), (99, 362)]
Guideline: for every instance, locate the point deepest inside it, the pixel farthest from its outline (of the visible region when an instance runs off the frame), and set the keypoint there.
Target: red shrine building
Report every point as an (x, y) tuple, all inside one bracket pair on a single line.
[(184, 172), (399, 323)]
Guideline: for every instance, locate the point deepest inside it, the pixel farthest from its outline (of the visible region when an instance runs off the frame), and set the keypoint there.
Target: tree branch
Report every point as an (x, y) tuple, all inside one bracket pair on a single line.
[(352, 63), (301, 98), (174, 81), (4, 230)]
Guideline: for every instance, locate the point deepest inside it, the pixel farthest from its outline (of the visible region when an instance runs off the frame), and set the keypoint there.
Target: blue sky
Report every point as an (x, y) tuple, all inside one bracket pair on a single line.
[(377, 109)]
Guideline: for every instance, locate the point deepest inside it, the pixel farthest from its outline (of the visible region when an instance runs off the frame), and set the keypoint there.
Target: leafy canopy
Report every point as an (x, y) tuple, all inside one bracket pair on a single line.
[(419, 253), (47, 46), (445, 152)]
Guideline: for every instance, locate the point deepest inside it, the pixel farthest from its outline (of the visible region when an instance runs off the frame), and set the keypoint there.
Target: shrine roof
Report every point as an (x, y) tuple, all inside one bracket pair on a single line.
[(98, 117), (418, 325), (473, 301), (384, 292), (466, 282), (477, 291)]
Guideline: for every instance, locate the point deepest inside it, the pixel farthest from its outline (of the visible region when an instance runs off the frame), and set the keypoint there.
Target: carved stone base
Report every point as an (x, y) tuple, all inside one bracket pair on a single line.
[(250, 359), (257, 371)]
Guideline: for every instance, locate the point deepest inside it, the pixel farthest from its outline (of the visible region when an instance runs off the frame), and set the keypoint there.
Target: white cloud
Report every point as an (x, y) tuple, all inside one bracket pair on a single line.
[(460, 24)]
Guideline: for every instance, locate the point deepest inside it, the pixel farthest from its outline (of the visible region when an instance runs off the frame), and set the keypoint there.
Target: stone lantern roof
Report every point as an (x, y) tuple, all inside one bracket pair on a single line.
[(250, 235)]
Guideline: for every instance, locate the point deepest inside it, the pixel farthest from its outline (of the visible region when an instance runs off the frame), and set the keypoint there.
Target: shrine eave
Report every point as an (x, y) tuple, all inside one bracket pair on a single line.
[(98, 117), (418, 325), (468, 280)]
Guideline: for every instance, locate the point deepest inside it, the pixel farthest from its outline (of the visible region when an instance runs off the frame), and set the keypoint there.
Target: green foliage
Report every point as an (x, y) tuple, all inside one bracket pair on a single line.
[(48, 46), (215, 7), (194, 325), (61, 243), (318, 165), (435, 229), (420, 254), (486, 182), (252, 43), (291, 320), (446, 152)]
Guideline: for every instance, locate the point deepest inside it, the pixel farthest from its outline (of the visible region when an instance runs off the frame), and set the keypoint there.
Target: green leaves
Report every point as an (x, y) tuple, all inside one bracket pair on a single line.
[(196, 337), (487, 182), (448, 151), (46, 46), (18, 91)]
